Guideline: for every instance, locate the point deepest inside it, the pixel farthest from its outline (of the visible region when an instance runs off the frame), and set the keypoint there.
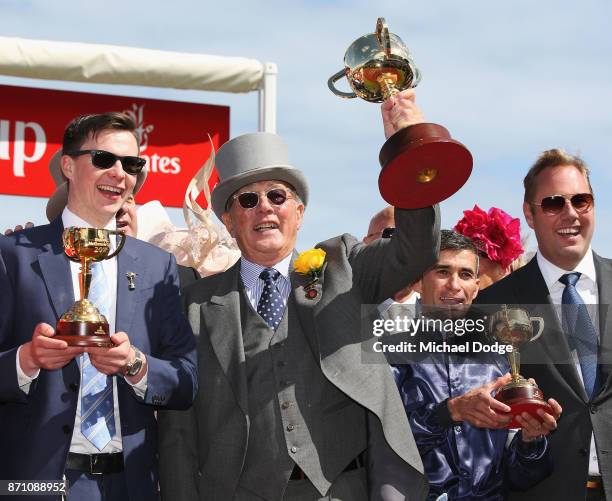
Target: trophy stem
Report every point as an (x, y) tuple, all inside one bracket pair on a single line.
[(85, 277), (514, 357), (387, 83)]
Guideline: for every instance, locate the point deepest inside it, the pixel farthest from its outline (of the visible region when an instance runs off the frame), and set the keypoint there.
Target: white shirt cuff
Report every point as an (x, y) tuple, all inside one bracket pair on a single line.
[(140, 388), (23, 380)]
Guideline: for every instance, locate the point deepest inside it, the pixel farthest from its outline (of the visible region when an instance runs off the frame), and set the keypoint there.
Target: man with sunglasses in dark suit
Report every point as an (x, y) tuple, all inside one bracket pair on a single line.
[(87, 414), (571, 288), (282, 410)]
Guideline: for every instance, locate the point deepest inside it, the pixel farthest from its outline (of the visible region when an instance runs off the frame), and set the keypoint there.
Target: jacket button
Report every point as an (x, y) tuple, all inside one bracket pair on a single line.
[(73, 386), (67, 429), (285, 405), (290, 427), (293, 449)]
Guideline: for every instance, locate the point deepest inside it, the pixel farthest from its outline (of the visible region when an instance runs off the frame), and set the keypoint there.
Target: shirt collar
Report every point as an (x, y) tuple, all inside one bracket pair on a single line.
[(69, 219), (552, 273), (249, 271)]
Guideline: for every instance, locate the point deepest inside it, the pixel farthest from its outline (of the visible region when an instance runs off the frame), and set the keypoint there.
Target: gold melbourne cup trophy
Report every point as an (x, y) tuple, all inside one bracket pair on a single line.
[(83, 324), (421, 164), (514, 326)]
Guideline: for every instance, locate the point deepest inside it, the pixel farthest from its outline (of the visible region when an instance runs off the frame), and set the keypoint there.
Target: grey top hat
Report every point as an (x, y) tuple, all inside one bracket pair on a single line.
[(250, 158), (59, 199)]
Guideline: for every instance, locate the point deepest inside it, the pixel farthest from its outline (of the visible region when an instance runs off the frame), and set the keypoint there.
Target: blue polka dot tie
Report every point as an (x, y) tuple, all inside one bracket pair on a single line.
[(270, 306), (579, 327)]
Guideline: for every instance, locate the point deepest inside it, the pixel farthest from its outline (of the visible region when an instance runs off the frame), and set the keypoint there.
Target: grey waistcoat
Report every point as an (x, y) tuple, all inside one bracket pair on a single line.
[(295, 414)]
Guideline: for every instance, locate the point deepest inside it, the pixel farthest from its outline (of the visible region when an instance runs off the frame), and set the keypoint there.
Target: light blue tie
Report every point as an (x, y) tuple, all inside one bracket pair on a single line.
[(97, 408), (582, 335)]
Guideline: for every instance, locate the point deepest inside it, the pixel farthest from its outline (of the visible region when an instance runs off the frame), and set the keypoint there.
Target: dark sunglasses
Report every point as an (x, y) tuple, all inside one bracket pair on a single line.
[(581, 202), (250, 199), (105, 160), (388, 232)]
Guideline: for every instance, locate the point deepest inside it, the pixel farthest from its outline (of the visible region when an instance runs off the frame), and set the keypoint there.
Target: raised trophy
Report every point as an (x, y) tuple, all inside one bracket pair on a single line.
[(83, 324), (514, 326), (421, 164)]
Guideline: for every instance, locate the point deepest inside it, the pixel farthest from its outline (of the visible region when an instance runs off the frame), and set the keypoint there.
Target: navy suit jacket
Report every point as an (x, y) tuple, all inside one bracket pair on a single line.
[(547, 359), (36, 286)]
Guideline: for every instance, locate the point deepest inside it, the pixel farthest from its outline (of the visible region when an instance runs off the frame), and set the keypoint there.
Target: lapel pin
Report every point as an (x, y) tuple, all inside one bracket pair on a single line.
[(131, 277), (311, 289)]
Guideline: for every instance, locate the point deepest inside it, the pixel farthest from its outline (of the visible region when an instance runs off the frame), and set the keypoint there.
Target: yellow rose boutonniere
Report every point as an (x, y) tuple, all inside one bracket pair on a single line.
[(311, 263)]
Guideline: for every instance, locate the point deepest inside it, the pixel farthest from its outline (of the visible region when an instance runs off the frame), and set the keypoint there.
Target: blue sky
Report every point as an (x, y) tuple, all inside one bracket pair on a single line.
[(508, 79)]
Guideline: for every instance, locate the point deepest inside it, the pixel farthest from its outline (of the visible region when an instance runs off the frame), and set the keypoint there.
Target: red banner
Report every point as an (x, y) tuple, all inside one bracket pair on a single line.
[(173, 138)]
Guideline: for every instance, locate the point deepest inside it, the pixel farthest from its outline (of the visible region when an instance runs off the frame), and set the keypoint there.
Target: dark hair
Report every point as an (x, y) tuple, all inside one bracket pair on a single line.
[(89, 126), (451, 240), (552, 158)]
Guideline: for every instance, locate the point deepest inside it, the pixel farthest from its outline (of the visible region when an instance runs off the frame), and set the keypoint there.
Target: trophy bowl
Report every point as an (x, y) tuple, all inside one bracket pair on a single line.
[(421, 164), (83, 325), (514, 326)]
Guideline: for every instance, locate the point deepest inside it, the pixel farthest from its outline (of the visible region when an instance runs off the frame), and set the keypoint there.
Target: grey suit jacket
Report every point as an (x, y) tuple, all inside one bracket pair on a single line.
[(202, 451), (548, 361)]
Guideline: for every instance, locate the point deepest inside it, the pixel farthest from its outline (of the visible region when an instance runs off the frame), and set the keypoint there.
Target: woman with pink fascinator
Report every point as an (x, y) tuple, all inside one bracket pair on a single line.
[(497, 235)]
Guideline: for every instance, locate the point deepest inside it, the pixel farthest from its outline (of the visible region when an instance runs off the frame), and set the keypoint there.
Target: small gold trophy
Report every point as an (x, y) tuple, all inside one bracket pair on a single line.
[(514, 326), (83, 324), (421, 164)]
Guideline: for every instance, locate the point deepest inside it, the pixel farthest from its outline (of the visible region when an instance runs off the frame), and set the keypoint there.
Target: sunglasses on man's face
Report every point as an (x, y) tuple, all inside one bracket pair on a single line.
[(105, 160), (250, 199), (581, 202)]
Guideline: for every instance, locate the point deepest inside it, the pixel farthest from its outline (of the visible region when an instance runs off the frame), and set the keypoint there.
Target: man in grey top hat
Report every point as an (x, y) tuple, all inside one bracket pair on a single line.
[(284, 400)]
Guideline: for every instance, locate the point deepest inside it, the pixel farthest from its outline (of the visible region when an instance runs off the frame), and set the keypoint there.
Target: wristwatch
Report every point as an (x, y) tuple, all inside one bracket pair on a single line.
[(133, 368)]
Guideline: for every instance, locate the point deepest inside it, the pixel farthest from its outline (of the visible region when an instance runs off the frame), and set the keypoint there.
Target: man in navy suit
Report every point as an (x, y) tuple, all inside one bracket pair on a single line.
[(87, 414), (573, 365)]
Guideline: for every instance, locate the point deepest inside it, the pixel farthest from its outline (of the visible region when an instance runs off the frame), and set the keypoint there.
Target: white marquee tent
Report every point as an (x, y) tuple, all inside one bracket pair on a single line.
[(110, 64)]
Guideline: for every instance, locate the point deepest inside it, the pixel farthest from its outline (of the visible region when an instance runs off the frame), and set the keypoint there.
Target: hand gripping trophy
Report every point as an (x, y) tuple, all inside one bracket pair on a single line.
[(514, 326), (421, 164), (83, 324)]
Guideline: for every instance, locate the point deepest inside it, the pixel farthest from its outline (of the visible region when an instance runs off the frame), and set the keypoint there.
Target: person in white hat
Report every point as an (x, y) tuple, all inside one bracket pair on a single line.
[(61, 419), (286, 405)]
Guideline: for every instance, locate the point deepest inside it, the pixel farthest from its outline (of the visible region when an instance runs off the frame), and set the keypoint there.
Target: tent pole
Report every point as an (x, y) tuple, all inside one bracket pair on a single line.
[(267, 99)]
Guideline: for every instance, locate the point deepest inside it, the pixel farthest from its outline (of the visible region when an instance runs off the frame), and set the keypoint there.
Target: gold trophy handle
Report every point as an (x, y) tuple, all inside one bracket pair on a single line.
[(119, 245), (333, 79), (540, 322), (69, 250), (382, 36)]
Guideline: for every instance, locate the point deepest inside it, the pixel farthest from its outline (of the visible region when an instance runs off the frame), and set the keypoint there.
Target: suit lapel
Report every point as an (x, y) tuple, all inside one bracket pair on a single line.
[(603, 269), (533, 291), (307, 307), (55, 269), (127, 261), (221, 315)]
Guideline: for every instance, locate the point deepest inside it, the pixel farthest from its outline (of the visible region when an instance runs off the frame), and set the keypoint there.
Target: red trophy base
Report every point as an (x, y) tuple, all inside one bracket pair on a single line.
[(84, 334), (523, 397), (421, 166)]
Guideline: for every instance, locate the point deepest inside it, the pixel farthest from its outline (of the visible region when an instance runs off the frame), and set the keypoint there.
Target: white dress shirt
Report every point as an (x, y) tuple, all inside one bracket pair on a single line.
[(588, 291), (79, 443)]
